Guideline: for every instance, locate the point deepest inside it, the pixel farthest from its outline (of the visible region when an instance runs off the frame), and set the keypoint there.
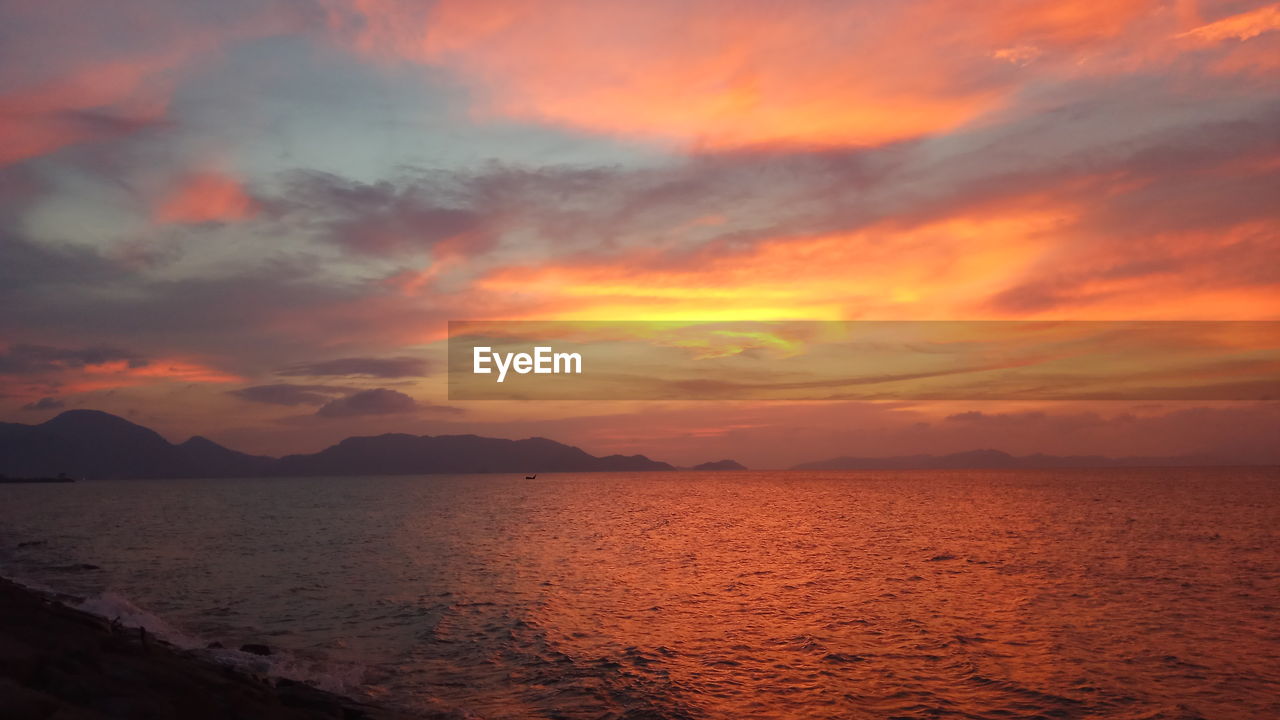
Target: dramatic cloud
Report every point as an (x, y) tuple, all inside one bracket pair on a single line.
[(1077, 236), (716, 74), (726, 74), (247, 192), (394, 367), (290, 395), (379, 401)]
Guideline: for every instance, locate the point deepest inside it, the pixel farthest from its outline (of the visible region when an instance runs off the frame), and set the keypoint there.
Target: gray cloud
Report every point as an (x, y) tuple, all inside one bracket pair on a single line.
[(379, 401), (290, 395), (235, 315), (40, 271), (45, 403), (28, 359), (383, 218), (392, 367)]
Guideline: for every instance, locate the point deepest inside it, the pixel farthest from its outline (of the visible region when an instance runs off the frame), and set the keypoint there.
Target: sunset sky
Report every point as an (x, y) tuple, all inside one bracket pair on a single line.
[(253, 220)]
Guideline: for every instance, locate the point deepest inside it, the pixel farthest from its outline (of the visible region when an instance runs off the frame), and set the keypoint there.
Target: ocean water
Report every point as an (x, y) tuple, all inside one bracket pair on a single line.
[(1119, 593)]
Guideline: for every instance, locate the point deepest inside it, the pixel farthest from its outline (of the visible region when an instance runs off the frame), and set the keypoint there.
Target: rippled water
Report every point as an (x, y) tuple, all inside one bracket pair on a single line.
[(979, 594)]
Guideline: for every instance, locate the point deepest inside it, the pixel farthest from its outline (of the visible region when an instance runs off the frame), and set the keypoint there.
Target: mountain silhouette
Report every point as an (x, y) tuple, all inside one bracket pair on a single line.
[(91, 443), (95, 444), (400, 454), (214, 460), (720, 465)]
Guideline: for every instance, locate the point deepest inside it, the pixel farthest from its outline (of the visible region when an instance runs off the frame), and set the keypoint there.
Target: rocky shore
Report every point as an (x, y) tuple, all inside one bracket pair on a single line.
[(58, 662)]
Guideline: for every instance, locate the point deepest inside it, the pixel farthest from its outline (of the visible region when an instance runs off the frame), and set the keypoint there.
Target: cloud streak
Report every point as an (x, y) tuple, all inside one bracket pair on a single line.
[(30, 359), (385, 368), (290, 395)]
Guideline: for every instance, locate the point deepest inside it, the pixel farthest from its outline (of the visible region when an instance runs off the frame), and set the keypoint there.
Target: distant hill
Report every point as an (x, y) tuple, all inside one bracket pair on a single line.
[(720, 465), (90, 443), (94, 444), (995, 459), (400, 454)]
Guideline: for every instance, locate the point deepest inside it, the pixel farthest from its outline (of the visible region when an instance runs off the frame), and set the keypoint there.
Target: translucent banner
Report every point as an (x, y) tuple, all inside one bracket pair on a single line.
[(864, 360)]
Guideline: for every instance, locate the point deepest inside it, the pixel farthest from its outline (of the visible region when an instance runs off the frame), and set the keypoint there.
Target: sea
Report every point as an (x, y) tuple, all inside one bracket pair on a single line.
[(1083, 593)]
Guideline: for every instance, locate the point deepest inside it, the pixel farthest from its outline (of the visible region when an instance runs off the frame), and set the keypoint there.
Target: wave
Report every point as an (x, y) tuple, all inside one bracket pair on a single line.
[(314, 669), (120, 610)]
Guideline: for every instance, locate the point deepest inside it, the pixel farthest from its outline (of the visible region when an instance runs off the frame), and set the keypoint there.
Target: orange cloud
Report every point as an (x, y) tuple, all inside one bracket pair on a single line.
[(115, 374), (1244, 45), (1243, 26), (937, 270), (206, 197), (122, 374), (711, 74), (1059, 24), (1026, 259), (718, 74)]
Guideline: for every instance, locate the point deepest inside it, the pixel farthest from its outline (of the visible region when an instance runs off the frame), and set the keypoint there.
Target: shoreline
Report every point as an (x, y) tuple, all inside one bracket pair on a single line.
[(58, 661)]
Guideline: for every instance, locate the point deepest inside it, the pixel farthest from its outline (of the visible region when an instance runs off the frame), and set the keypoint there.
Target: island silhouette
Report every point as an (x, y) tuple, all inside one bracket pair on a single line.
[(93, 444)]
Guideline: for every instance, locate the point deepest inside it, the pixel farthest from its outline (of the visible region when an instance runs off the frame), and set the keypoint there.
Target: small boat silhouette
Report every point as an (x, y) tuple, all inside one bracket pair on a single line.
[(531, 477)]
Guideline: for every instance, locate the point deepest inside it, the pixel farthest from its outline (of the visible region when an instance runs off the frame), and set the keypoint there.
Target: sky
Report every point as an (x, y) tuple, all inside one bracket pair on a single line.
[(253, 220)]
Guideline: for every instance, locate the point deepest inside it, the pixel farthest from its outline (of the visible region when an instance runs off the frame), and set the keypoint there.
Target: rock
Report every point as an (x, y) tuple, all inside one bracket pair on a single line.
[(215, 645), (56, 661), (255, 649)]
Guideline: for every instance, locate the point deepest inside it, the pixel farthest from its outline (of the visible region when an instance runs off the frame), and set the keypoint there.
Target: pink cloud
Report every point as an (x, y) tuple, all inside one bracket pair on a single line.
[(206, 197)]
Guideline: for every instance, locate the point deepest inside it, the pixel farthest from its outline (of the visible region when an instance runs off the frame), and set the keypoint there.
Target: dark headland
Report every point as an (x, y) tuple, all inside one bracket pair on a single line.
[(94, 444), (58, 662)]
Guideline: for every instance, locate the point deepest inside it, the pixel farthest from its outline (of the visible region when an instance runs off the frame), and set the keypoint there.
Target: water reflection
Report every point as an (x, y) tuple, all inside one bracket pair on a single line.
[(1118, 593)]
